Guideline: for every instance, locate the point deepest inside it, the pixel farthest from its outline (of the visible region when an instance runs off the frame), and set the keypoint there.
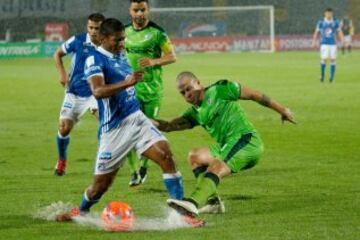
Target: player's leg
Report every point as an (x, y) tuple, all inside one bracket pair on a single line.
[(332, 52), (153, 145), (114, 146), (62, 142), (96, 190), (134, 163), (160, 153), (66, 123), (73, 108), (199, 160), (138, 167), (151, 110), (348, 42), (238, 155), (323, 57)]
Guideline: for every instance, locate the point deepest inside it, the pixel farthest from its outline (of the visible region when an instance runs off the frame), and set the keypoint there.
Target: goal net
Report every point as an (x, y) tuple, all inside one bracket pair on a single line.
[(218, 29)]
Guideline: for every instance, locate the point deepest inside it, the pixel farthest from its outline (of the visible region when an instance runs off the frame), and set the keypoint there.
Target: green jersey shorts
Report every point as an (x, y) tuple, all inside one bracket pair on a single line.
[(240, 154)]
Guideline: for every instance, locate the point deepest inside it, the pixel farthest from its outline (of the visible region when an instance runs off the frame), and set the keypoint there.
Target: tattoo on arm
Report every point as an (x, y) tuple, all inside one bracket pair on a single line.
[(265, 100), (175, 125)]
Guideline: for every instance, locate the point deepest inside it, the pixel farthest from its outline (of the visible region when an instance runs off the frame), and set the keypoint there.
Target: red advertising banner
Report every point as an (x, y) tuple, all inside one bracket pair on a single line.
[(56, 32)]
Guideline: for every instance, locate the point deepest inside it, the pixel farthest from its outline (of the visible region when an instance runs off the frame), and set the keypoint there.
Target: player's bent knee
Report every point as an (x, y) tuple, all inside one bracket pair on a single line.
[(65, 127), (219, 168), (193, 157)]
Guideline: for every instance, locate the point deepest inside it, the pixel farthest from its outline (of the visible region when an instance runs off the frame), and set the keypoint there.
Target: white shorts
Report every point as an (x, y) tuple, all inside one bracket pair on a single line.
[(74, 106), (328, 51), (347, 39), (135, 132)]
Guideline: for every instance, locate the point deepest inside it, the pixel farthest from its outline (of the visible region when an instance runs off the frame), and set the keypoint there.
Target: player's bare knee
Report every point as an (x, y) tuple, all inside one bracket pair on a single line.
[(216, 167), (193, 157), (64, 128)]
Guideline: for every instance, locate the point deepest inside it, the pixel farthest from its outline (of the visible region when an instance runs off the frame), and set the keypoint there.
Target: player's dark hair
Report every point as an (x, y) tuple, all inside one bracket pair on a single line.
[(185, 74), (110, 26), (96, 17), (139, 1), (329, 9)]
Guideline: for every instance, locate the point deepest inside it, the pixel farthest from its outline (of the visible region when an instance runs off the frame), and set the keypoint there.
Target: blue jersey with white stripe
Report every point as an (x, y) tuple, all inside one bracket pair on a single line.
[(79, 46), (113, 68), (328, 30)]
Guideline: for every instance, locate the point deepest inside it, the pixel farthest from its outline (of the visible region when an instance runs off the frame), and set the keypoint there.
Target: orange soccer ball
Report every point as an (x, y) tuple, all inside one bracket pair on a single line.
[(118, 216)]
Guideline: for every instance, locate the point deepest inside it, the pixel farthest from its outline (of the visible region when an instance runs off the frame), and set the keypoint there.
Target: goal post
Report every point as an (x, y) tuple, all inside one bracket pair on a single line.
[(230, 28)]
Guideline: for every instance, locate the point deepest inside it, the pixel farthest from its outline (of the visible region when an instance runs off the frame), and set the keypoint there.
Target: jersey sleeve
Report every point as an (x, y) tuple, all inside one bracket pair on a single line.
[(93, 67), (70, 45), (189, 115), (165, 43), (228, 90)]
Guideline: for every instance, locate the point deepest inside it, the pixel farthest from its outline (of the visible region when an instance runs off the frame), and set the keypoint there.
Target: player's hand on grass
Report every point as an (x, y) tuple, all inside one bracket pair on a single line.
[(287, 115), (147, 62)]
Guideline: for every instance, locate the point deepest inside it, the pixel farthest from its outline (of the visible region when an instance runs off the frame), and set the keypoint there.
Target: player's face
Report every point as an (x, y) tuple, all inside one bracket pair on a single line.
[(191, 90), (114, 43), (139, 13), (93, 30), (329, 15)]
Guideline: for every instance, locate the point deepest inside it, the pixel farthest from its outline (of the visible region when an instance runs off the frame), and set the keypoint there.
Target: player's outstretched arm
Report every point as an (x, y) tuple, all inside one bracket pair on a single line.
[(176, 124), (101, 90), (250, 94), (58, 55)]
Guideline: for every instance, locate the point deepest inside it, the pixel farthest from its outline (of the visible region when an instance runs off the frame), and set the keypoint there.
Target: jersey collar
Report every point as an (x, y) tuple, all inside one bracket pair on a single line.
[(106, 53), (328, 21), (139, 30)]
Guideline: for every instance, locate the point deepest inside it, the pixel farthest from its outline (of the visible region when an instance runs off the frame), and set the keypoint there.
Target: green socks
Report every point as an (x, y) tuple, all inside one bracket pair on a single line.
[(205, 188)]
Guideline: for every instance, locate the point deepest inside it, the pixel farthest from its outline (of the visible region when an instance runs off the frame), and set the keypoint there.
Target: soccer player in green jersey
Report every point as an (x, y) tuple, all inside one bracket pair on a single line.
[(148, 49), (238, 145)]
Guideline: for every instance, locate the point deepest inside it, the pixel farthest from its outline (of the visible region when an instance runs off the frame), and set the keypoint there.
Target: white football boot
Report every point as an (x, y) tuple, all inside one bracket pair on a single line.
[(183, 206), (214, 205)]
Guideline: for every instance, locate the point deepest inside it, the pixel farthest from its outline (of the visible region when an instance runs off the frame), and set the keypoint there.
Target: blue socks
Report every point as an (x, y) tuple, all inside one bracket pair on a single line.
[(174, 185), (86, 204), (62, 143), (322, 68), (332, 71)]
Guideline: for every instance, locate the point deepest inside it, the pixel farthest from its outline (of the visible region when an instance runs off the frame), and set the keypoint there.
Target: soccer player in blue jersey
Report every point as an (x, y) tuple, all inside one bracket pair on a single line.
[(123, 126), (78, 98), (328, 29)]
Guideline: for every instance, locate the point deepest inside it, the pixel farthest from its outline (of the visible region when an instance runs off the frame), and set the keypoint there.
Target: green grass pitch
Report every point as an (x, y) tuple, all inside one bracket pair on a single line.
[(306, 186)]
